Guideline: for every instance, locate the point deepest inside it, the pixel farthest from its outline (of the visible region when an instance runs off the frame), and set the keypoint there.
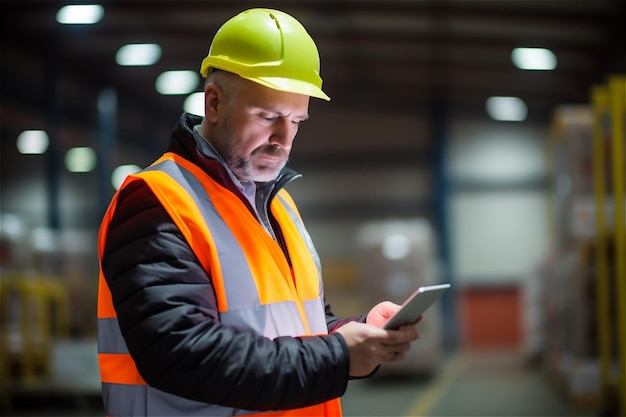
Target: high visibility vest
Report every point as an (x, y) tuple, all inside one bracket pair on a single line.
[(237, 254)]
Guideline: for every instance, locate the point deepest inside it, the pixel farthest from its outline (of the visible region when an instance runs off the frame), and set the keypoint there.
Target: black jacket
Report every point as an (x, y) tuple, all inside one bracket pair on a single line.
[(166, 308)]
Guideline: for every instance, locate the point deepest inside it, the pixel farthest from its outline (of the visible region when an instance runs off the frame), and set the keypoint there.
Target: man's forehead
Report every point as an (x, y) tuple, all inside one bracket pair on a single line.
[(275, 101)]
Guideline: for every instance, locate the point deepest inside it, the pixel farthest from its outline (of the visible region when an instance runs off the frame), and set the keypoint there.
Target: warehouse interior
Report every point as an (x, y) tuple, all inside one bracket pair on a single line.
[(441, 158)]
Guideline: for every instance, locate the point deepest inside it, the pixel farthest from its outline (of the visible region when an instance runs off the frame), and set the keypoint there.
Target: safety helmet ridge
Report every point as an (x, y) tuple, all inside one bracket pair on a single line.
[(268, 47)]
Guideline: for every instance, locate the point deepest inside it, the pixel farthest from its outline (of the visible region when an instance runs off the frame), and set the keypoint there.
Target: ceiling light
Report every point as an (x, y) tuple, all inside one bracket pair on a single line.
[(194, 104), (32, 142), (44, 239), (121, 172), (507, 109), (11, 224), (533, 58), (177, 82), (80, 14), (80, 159), (138, 54), (396, 246)]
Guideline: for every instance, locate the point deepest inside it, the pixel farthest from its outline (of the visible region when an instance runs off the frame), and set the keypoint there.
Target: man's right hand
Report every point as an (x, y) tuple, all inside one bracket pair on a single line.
[(370, 346)]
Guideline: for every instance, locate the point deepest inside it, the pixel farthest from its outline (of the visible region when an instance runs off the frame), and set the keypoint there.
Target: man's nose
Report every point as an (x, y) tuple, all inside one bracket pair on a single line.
[(283, 133)]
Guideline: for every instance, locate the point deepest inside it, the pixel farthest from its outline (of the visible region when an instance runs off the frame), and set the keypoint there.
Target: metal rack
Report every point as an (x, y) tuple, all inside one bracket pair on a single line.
[(584, 280), (34, 313), (609, 115)]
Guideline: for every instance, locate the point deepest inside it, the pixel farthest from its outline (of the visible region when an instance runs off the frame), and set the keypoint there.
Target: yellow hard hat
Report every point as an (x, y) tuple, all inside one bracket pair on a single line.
[(268, 47)]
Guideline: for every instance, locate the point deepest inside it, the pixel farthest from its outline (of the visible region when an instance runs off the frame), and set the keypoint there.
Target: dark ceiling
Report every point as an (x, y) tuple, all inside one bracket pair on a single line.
[(390, 55)]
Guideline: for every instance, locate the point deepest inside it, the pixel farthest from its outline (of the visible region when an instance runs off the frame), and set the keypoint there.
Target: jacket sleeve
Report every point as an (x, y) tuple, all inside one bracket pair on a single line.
[(333, 322), (167, 312)]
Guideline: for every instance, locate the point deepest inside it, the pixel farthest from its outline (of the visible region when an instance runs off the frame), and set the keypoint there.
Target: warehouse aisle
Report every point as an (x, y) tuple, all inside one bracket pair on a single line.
[(468, 384)]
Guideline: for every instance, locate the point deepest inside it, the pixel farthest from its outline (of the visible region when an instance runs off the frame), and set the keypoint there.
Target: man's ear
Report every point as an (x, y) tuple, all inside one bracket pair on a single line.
[(213, 96)]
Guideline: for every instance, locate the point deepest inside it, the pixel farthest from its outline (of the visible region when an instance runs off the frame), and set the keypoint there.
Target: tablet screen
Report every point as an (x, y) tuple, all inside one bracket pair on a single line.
[(415, 305)]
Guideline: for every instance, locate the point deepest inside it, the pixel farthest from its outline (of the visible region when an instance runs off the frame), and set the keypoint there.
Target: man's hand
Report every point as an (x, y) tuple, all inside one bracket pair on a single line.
[(370, 346), (382, 312)]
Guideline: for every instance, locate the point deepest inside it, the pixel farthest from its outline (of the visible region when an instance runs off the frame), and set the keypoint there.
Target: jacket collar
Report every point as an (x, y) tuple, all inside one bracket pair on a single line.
[(197, 149)]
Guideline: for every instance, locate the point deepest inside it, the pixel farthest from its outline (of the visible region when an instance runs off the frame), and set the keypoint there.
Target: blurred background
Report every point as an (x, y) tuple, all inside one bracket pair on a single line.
[(479, 143)]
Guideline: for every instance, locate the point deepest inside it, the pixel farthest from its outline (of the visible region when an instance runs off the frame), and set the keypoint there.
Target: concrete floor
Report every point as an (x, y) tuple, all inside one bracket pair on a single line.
[(467, 384)]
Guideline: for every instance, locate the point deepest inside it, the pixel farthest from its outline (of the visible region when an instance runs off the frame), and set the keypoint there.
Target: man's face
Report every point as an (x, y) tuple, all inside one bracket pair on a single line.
[(256, 129)]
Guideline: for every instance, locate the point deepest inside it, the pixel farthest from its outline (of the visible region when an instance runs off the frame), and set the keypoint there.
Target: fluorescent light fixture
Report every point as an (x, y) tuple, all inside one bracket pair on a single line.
[(32, 142), (396, 246), (80, 14), (177, 82), (507, 109), (121, 172), (138, 54), (194, 104), (80, 159), (44, 239), (533, 59), (11, 224)]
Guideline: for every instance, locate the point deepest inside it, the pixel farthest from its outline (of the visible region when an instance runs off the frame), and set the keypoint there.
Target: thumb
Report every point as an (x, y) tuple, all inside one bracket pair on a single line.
[(381, 313)]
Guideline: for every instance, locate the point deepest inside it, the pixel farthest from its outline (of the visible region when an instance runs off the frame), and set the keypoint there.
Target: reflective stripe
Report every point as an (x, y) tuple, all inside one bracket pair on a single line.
[(297, 220), (110, 339), (144, 400), (233, 262), (316, 316), (148, 401), (298, 243), (292, 211), (124, 400), (264, 319)]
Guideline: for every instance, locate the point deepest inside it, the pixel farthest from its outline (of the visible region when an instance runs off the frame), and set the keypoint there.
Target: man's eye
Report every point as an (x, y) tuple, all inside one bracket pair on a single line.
[(268, 117)]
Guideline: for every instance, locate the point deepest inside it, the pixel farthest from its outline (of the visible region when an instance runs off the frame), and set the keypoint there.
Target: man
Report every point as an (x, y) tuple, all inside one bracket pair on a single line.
[(210, 299)]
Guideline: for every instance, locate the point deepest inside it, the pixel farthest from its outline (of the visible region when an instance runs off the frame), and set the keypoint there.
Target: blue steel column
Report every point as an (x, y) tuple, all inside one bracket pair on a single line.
[(107, 146), (438, 118), (53, 164)]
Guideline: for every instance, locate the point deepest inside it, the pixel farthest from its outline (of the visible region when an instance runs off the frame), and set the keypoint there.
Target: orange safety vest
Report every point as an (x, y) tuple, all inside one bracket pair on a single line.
[(292, 296)]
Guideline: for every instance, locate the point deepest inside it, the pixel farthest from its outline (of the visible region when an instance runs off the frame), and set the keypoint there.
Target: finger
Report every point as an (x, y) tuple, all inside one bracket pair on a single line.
[(395, 357), (400, 347), (392, 351), (404, 334), (411, 336), (411, 332)]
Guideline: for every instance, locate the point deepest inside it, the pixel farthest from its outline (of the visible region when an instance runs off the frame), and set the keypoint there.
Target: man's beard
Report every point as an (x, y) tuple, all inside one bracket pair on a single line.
[(242, 167), (263, 172)]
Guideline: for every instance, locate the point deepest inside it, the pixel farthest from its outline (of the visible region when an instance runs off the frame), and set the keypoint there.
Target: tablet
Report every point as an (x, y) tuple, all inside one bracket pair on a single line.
[(415, 305)]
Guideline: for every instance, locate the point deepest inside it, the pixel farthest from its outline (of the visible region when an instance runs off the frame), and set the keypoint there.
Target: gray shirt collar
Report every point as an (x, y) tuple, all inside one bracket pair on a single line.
[(248, 188)]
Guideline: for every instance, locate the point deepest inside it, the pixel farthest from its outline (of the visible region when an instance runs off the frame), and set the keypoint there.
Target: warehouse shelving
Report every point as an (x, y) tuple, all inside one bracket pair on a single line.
[(584, 294)]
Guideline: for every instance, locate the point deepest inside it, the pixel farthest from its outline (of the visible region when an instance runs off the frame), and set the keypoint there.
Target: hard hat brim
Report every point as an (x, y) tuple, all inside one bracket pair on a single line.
[(290, 86)]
